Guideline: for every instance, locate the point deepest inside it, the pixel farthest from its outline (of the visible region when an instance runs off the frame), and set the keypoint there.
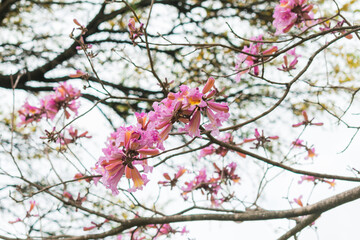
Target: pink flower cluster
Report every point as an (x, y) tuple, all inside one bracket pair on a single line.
[(126, 149), (292, 12), (211, 186), (129, 147), (252, 56), (187, 106), (64, 98)]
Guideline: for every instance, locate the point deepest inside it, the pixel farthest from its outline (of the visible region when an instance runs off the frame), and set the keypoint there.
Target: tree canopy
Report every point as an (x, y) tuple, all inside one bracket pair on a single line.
[(134, 119)]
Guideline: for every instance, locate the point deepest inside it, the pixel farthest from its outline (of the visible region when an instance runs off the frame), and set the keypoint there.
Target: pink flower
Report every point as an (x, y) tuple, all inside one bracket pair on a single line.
[(209, 84), (29, 113), (307, 178), (291, 12), (298, 143), (227, 173), (135, 32), (286, 67), (73, 136), (298, 201), (261, 140), (172, 182), (227, 138), (311, 153), (251, 56), (316, 180), (185, 107), (124, 150), (207, 151), (195, 124), (306, 121)]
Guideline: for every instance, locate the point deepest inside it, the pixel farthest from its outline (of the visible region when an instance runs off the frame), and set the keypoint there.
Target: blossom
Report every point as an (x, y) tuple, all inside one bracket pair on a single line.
[(298, 143), (81, 177), (135, 32), (74, 135), (127, 148), (29, 113), (298, 201), (65, 97), (28, 213), (260, 139), (172, 182), (203, 183), (291, 12), (227, 173), (315, 180), (188, 106), (327, 26), (311, 153), (286, 67), (306, 121), (251, 56)]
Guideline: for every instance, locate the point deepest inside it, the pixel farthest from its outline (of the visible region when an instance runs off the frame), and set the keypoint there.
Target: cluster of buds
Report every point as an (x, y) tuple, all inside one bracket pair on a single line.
[(78, 201), (161, 230), (74, 136)]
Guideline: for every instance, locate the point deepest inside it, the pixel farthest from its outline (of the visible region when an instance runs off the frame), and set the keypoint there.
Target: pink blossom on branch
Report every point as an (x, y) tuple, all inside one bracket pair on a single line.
[(126, 149), (135, 32), (172, 181), (311, 153), (306, 121), (298, 201), (260, 140), (292, 12), (188, 106), (251, 57), (316, 180), (286, 67), (64, 98)]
